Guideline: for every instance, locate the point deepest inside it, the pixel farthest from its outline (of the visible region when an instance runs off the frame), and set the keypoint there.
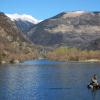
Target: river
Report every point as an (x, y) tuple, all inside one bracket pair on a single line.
[(48, 80)]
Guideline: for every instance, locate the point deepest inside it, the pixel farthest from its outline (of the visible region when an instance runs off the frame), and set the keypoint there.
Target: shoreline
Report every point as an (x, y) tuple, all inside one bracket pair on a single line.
[(89, 60), (19, 62)]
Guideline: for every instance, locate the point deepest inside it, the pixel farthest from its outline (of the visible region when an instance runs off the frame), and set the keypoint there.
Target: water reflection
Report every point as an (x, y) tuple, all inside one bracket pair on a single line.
[(94, 94)]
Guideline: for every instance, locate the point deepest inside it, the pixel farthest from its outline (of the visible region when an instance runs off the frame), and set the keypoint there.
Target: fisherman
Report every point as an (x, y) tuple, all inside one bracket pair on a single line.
[(94, 81)]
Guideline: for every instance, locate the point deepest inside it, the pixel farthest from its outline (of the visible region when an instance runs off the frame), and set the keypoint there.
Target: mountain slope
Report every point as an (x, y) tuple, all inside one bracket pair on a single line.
[(73, 29), (13, 44), (24, 26)]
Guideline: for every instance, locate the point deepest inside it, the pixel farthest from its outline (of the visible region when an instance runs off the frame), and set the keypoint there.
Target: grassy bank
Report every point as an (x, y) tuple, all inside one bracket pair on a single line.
[(74, 54), (58, 54)]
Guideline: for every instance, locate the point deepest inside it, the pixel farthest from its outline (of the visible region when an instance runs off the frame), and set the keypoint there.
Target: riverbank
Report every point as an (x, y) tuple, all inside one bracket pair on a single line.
[(17, 58), (63, 54), (74, 54), (89, 60), (16, 61), (92, 60)]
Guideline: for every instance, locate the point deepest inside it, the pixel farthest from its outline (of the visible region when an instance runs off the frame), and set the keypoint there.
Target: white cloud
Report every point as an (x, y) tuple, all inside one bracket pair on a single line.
[(24, 17)]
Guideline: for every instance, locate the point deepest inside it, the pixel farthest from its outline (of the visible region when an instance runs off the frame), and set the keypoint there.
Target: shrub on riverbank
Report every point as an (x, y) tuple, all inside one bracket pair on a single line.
[(73, 54)]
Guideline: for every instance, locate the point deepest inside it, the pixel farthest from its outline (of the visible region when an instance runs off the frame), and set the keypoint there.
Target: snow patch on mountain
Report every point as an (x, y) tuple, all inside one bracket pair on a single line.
[(73, 14), (78, 12), (23, 17)]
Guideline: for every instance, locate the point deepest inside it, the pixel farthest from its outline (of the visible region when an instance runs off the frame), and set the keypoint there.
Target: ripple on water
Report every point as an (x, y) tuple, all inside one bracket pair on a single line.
[(47, 80)]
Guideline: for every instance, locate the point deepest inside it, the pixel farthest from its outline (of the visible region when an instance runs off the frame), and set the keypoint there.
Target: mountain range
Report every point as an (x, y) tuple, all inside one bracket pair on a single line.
[(71, 29), (77, 29), (23, 36)]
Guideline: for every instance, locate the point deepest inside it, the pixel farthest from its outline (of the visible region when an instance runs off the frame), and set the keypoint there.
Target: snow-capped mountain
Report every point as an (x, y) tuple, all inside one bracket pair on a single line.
[(23, 17), (23, 21)]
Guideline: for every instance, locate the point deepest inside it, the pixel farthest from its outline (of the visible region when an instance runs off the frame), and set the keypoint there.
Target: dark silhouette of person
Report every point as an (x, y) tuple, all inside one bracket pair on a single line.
[(94, 81)]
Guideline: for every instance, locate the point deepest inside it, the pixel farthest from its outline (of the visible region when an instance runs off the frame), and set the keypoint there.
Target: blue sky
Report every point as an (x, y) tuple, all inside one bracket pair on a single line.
[(42, 9)]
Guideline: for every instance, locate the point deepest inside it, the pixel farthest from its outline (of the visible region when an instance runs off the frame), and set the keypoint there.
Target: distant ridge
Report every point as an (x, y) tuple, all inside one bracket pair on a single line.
[(78, 29)]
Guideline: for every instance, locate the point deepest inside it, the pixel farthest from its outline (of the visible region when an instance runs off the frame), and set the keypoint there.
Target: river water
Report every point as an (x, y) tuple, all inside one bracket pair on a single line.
[(48, 80)]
